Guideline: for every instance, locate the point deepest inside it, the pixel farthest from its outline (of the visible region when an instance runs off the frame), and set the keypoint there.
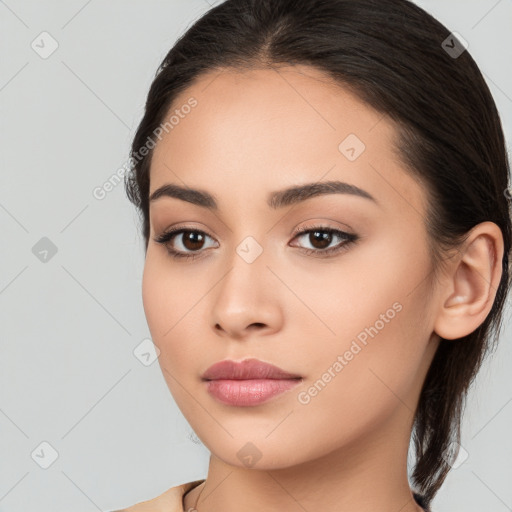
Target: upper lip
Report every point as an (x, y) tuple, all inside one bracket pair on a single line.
[(246, 369)]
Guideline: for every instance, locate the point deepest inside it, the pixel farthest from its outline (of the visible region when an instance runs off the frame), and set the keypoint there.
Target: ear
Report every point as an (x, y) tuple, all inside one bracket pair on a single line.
[(471, 283)]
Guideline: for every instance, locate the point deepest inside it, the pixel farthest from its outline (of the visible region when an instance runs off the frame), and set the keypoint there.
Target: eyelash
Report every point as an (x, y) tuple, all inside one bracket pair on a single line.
[(349, 238)]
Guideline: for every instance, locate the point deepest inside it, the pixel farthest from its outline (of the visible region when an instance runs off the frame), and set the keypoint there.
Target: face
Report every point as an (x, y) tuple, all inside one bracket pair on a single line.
[(343, 305)]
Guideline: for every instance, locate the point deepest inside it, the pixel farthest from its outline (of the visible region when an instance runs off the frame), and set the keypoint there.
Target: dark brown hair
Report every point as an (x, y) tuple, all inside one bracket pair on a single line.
[(395, 57)]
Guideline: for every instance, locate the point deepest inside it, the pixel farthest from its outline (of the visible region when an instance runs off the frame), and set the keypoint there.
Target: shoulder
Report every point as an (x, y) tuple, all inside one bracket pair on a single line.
[(169, 501)]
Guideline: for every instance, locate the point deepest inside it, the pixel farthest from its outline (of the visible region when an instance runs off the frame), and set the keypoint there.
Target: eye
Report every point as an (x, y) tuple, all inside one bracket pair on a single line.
[(320, 237), (192, 240)]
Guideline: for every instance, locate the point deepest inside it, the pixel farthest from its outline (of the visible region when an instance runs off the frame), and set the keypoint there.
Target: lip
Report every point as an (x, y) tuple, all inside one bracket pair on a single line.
[(246, 369), (247, 383)]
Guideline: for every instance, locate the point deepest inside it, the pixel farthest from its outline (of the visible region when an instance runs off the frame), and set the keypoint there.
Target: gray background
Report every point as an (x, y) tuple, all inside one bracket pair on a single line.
[(69, 325)]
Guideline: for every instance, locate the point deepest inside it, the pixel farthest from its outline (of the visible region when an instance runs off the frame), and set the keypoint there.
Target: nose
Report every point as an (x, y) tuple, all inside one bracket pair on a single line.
[(246, 300)]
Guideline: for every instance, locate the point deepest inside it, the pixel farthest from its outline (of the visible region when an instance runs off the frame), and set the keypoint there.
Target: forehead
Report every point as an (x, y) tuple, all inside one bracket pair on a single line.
[(266, 129)]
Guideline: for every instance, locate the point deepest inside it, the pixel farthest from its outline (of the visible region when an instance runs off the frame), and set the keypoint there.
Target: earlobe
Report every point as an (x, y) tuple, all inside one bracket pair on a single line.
[(472, 284)]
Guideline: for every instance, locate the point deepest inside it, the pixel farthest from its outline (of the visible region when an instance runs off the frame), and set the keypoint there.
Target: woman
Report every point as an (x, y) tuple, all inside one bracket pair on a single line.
[(323, 193)]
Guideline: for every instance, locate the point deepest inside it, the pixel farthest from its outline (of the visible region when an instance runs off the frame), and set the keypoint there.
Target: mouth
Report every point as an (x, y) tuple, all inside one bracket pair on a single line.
[(248, 392), (245, 370), (247, 383)]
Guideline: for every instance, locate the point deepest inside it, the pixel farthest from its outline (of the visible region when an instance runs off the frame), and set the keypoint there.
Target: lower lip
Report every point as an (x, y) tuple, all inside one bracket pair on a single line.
[(248, 392)]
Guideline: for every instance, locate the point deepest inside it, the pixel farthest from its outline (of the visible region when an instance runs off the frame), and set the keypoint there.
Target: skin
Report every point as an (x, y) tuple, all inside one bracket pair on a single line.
[(252, 133)]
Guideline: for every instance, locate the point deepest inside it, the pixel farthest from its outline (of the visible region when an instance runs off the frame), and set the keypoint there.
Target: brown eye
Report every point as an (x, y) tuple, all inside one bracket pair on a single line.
[(320, 239), (192, 240)]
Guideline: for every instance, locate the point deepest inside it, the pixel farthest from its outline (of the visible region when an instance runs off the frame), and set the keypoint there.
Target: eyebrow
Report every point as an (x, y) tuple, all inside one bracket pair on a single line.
[(275, 200)]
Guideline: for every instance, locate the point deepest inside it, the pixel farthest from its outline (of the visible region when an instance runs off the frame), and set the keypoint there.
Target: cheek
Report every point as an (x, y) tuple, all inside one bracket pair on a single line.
[(343, 297), (172, 310), (162, 298), (153, 299), (165, 294), (370, 310)]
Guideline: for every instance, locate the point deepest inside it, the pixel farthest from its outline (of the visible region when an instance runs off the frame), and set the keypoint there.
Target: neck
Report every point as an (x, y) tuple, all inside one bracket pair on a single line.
[(367, 474)]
